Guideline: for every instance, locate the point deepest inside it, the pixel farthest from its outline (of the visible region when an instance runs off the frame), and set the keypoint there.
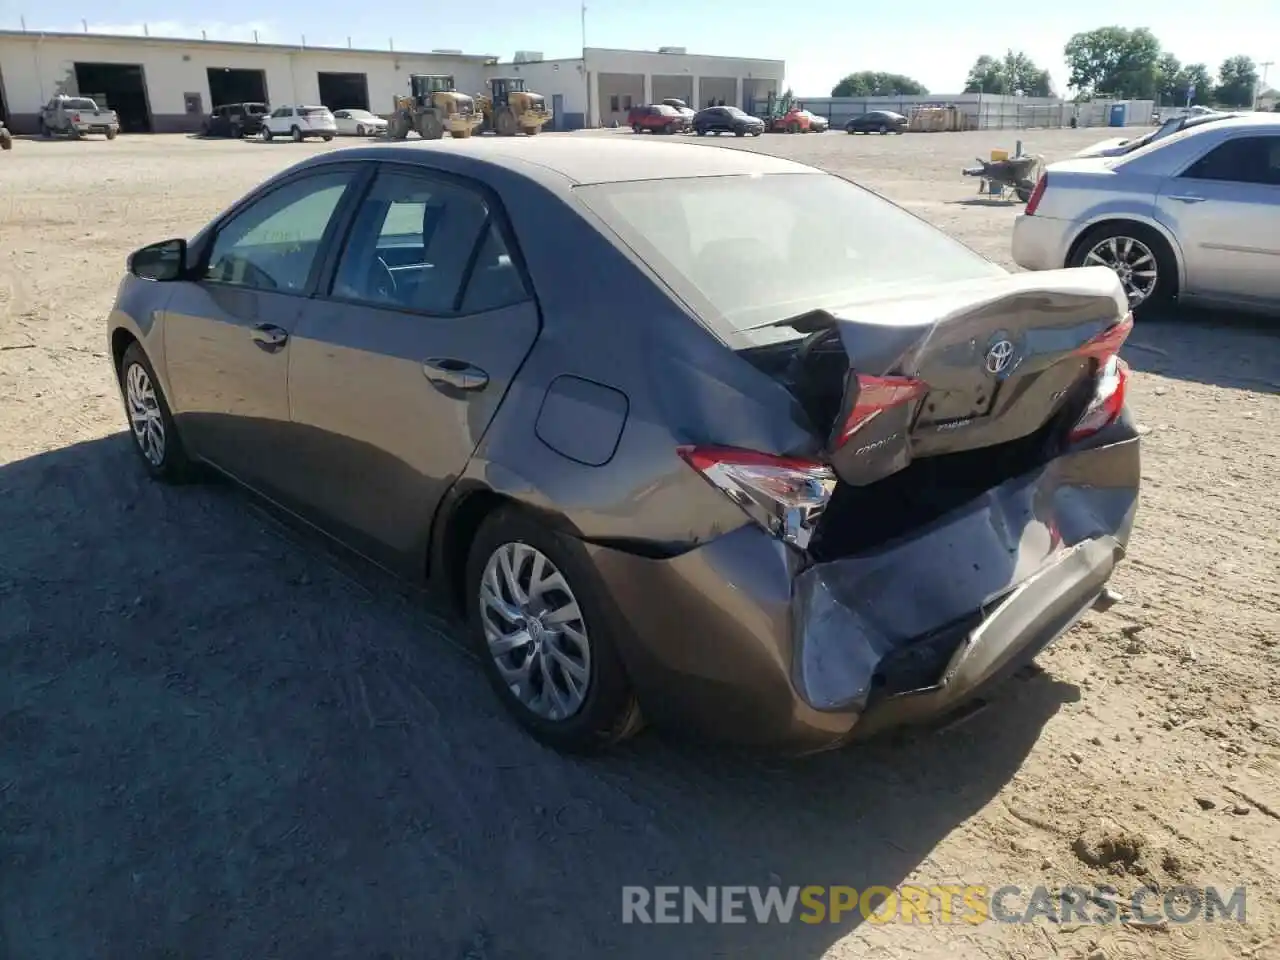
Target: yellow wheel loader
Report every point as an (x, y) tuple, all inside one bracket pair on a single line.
[(509, 108), (433, 107)]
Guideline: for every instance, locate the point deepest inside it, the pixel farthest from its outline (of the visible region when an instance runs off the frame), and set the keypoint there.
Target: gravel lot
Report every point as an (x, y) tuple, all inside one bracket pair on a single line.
[(220, 739)]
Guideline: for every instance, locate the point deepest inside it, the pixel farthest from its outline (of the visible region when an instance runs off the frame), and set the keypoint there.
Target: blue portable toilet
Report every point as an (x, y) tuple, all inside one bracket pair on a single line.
[(1119, 114)]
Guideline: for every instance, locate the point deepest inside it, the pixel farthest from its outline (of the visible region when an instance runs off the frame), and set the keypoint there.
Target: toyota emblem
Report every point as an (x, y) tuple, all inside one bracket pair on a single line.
[(999, 356)]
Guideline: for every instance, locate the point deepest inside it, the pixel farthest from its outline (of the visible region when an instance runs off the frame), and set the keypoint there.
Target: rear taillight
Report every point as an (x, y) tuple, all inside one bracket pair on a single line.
[(75, 118), (1037, 192), (1112, 379), (785, 495), (875, 396), (1107, 402)]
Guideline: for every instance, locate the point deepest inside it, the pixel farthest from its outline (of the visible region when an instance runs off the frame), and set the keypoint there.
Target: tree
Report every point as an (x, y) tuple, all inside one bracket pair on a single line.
[(1114, 61), (1015, 73), (1237, 82), (1175, 79), (873, 83)]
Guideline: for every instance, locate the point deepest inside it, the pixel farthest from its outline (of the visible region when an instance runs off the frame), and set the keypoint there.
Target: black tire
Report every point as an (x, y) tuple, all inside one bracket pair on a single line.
[(236, 131), (1166, 288), (327, 137), (700, 131), (884, 128), (635, 128), (174, 466), (296, 133), (756, 133), (267, 134), (359, 130), (610, 712), (740, 133)]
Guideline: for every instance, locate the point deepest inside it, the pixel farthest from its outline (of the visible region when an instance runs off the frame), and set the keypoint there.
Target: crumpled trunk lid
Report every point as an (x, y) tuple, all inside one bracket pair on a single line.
[(960, 367)]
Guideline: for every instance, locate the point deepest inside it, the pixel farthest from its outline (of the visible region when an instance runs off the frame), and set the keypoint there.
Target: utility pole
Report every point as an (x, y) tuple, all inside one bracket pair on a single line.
[(1262, 82)]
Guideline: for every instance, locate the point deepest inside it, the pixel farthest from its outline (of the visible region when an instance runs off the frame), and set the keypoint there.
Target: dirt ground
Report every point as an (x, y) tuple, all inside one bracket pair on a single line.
[(219, 739)]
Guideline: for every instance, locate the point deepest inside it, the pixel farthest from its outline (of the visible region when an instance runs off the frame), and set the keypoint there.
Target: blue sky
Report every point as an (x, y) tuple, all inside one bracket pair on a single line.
[(821, 40)]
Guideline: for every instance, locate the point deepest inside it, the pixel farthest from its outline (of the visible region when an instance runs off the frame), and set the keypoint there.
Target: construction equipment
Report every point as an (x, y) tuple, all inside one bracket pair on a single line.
[(509, 108), (433, 106), (1003, 176), (787, 115)]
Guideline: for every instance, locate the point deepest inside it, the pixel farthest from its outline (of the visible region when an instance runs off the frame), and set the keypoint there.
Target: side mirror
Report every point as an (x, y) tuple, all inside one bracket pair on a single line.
[(160, 262)]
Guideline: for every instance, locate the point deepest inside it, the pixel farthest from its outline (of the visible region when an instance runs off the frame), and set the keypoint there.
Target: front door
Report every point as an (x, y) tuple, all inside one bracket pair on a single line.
[(226, 335), (1225, 210), (396, 373)]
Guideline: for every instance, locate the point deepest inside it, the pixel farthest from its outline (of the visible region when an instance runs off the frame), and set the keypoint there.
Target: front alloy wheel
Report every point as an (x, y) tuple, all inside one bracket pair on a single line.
[(535, 631), (144, 414), (1133, 262)]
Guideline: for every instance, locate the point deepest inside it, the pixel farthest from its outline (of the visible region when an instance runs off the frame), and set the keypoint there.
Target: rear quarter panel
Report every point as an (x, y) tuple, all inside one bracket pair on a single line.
[(608, 321)]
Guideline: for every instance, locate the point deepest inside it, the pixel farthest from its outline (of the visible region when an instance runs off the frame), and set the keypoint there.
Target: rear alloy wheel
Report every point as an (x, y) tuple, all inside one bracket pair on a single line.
[(151, 424), (1138, 256), (296, 133), (541, 626), (884, 128)]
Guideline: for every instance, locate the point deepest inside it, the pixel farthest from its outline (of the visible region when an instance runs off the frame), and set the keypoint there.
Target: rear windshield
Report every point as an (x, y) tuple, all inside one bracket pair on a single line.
[(313, 111), (667, 111), (255, 108), (80, 103), (750, 250)]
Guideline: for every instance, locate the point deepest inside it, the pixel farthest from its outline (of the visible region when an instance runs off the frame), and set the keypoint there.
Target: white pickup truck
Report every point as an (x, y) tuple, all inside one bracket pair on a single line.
[(77, 117)]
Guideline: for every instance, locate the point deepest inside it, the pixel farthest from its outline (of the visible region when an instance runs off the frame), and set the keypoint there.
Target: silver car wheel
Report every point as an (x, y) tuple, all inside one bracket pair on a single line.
[(1132, 261), (535, 631), (144, 414)]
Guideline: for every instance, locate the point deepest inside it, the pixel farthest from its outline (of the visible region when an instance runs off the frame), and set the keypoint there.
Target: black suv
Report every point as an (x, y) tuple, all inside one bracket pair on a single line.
[(236, 120), (720, 120)]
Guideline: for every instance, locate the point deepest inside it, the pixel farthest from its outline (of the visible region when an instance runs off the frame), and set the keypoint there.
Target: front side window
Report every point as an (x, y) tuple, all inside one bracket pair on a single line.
[(412, 243), (749, 250), (1241, 160), (272, 245)]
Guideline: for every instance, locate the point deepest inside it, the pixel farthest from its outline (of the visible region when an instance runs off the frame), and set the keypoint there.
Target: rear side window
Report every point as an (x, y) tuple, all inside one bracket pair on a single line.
[(1241, 160)]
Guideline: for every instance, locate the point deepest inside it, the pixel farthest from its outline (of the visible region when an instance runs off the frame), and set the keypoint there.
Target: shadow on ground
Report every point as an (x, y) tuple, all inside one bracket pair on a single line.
[(218, 741), (1215, 347)]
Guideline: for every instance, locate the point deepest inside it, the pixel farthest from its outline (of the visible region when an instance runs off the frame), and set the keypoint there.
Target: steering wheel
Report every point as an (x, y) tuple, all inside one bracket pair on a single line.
[(383, 280), (250, 273)]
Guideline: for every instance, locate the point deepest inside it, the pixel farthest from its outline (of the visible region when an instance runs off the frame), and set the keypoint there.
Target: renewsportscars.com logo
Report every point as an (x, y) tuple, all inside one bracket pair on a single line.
[(941, 903)]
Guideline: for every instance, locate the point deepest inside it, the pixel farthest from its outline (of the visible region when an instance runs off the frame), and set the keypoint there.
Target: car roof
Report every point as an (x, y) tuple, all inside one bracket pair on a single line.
[(588, 158)]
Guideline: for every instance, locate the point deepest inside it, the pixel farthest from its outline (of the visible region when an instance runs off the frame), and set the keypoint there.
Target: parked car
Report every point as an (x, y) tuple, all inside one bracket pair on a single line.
[(1192, 216), (877, 121), (682, 108), (300, 122), (718, 120), (782, 511), (817, 122), (1119, 146), (656, 118), (77, 117), (236, 120), (359, 123)]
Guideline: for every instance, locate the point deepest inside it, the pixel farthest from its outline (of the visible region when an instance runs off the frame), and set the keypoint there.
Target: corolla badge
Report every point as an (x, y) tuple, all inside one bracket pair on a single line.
[(999, 356)]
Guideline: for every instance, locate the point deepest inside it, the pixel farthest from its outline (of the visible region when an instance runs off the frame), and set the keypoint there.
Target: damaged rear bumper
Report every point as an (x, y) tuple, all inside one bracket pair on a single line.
[(741, 640)]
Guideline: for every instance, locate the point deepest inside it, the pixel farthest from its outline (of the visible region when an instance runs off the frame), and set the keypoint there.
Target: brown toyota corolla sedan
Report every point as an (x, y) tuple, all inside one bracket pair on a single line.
[(577, 384)]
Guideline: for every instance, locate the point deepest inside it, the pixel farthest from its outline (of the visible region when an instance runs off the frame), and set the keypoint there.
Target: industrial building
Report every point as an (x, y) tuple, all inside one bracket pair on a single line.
[(168, 85)]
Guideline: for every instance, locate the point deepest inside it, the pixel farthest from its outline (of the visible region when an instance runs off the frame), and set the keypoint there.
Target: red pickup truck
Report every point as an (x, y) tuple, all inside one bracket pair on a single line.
[(657, 118)]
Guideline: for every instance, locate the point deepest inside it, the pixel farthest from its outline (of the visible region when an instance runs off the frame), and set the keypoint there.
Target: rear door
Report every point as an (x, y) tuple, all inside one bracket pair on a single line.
[(1225, 210), (400, 363), (227, 335)]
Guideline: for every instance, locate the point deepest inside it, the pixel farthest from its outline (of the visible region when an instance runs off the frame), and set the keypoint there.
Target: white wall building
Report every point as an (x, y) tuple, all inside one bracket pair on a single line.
[(599, 88), (165, 85)]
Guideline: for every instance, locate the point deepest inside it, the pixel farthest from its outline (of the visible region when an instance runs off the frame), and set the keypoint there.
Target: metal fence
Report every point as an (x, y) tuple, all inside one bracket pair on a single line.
[(984, 111)]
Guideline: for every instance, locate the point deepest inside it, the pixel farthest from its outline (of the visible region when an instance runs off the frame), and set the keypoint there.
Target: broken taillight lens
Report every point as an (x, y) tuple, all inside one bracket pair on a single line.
[(1037, 194), (785, 495), (875, 396), (1113, 377)]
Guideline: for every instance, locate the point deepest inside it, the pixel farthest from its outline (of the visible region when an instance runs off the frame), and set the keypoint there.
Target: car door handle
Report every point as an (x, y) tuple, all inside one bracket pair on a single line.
[(458, 374), (1189, 198), (269, 337)]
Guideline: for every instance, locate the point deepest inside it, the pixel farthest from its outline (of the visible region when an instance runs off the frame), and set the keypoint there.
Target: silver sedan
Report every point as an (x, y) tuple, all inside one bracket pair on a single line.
[(1195, 216)]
